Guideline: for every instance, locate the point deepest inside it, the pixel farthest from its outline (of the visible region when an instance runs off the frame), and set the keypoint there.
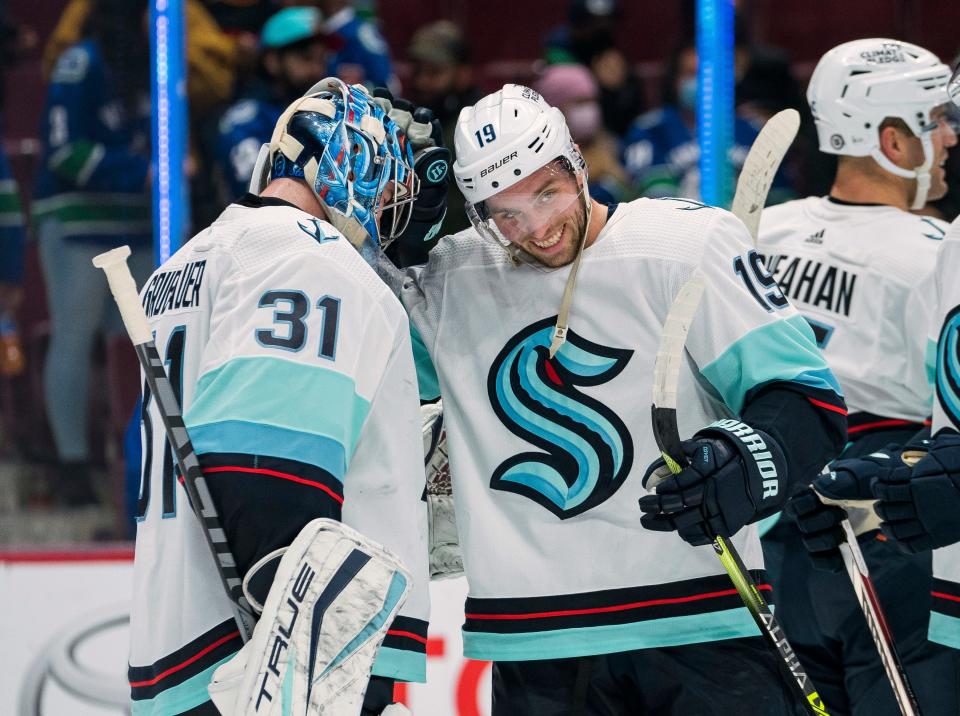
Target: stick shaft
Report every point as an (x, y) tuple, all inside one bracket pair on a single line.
[(123, 287), (873, 612)]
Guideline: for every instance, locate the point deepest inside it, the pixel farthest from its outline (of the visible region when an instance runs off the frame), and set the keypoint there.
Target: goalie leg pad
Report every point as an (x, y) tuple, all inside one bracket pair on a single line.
[(334, 596)]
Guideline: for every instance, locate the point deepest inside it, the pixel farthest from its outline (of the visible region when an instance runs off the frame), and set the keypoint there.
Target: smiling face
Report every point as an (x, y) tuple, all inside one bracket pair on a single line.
[(944, 137), (543, 214)]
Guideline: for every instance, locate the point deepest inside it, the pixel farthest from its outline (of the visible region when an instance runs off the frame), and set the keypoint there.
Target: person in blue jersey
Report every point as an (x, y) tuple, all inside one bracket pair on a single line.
[(365, 56), (92, 192), (295, 373), (660, 149), (294, 52), (541, 321)]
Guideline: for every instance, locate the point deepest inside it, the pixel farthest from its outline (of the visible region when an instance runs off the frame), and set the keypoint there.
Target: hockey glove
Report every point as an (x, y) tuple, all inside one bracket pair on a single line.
[(848, 482), (736, 475), (431, 162), (920, 508)]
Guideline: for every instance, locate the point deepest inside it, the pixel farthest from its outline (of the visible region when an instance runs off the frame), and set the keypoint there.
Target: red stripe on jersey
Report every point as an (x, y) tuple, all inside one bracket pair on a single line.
[(892, 423), (828, 406), (942, 595), (408, 634), (275, 473), (178, 667), (615, 608)]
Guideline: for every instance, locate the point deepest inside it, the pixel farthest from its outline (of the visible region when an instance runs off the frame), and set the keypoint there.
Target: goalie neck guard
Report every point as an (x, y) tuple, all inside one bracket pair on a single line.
[(347, 150), (858, 84)]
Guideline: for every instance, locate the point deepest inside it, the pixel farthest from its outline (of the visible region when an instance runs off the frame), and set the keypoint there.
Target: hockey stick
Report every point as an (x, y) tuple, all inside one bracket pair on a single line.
[(866, 593), (114, 265), (753, 186)]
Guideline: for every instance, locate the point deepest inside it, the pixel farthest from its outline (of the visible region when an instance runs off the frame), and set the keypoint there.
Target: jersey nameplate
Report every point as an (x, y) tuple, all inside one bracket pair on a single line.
[(174, 289)]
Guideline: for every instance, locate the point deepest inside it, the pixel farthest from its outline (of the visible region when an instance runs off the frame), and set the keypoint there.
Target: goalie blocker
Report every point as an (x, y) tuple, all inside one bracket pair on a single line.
[(333, 597)]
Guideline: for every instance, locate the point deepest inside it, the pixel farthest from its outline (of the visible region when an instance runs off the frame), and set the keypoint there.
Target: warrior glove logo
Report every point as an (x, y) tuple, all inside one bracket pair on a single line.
[(588, 450)]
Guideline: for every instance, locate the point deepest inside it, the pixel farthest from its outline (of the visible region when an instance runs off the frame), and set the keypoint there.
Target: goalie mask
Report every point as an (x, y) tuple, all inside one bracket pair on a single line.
[(348, 151), (858, 84), (524, 180)]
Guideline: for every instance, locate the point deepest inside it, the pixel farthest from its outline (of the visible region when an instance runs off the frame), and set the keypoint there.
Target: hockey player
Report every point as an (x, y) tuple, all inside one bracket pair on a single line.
[(580, 608), (857, 265), (295, 372)]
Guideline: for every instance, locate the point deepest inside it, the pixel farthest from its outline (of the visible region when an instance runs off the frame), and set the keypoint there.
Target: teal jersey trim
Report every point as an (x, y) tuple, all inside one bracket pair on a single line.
[(427, 379), (589, 641), (233, 436), (399, 664), (930, 362), (182, 697), (784, 350), (767, 523), (307, 403), (944, 630)]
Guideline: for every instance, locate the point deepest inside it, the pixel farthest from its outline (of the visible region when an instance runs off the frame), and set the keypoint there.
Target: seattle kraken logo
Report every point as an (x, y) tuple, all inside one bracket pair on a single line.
[(588, 451), (948, 367)]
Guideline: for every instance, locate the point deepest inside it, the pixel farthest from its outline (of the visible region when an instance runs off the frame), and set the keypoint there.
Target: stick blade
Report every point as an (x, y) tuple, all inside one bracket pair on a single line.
[(761, 166)]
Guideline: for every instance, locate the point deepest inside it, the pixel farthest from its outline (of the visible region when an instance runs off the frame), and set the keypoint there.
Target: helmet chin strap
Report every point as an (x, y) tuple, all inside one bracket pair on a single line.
[(560, 329), (921, 174)]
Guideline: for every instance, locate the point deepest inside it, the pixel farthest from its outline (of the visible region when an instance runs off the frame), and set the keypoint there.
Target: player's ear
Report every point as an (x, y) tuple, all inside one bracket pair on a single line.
[(895, 144)]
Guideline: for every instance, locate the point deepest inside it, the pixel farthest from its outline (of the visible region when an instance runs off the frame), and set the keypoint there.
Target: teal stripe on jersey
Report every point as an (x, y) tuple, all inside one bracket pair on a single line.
[(427, 379), (588, 641), (310, 403), (399, 664), (177, 699), (784, 350), (930, 362), (944, 630), (233, 436)]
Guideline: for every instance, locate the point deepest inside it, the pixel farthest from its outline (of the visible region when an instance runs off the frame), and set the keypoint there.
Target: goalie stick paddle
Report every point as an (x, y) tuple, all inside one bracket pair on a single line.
[(753, 186), (869, 602), (124, 290)]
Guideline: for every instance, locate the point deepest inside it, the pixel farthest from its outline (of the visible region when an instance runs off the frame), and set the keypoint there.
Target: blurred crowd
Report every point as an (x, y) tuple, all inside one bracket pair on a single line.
[(247, 60)]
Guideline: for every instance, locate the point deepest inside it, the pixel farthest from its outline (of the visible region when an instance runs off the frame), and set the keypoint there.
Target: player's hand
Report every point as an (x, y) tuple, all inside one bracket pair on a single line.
[(431, 163), (724, 487), (920, 508)]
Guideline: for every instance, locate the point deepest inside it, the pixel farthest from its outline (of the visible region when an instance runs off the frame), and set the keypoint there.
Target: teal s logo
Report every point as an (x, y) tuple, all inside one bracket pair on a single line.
[(437, 171)]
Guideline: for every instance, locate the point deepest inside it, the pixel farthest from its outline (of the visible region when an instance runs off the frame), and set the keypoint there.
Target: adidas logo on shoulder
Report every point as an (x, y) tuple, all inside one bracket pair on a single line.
[(816, 238)]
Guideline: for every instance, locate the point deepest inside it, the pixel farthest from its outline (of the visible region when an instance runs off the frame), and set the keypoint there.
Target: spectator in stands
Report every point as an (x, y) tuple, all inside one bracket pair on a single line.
[(661, 153), (91, 194), (588, 39), (211, 54), (572, 89), (294, 53), (364, 57), (14, 40), (441, 79)]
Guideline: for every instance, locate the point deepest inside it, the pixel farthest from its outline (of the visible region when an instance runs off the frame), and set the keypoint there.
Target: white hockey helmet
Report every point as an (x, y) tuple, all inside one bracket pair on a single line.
[(858, 84), (505, 137)]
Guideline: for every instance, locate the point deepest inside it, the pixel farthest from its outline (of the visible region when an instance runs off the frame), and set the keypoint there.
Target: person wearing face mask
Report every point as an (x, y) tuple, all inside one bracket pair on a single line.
[(660, 149), (573, 90)]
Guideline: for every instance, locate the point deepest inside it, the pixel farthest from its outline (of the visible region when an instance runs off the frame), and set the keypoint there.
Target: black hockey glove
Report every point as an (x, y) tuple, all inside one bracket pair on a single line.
[(848, 481), (736, 476), (920, 508), (431, 162)]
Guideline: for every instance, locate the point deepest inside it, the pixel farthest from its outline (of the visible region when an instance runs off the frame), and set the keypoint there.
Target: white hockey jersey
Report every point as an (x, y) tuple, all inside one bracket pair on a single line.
[(862, 276), (294, 368), (548, 455), (945, 339)]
